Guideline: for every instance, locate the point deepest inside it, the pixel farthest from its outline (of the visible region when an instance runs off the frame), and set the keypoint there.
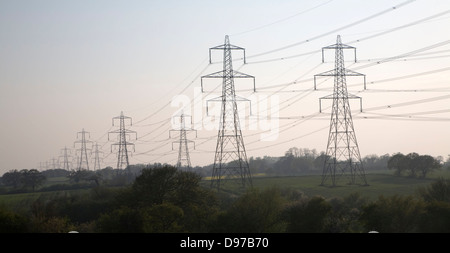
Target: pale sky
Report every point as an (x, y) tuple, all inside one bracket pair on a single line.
[(72, 65)]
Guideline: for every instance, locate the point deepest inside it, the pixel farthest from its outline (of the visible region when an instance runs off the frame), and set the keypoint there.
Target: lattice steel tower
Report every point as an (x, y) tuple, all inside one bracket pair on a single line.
[(343, 157), (184, 160), (55, 163), (230, 161), (97, 158), (122, 155), (83, 157), (66, 164)]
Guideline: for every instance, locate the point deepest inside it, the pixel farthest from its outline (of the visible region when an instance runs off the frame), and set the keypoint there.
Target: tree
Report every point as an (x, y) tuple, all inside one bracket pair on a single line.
[(32, 178), (426, 164), (397, 163), (24, 178), (254, 212), (155, 185), (413, 165), (374, 162), (12, 178), (85, 175), (121, 220), (319, 161), (12, 223), (163, 218), (394, 214), (56, 173), (307, 216), (345, 214), (436, 191), (167, 188), (436, 218)]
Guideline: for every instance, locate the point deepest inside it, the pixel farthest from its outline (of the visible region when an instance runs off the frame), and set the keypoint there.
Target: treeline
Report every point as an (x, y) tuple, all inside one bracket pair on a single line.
[(298, 161), (295, 162), (21, 181), (304, 161), (413, 165), (165, 200)]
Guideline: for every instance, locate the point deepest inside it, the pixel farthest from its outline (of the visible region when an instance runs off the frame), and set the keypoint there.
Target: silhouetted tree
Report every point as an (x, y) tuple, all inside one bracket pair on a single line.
[(436, 191), (426, 164), (345, 214), (11, 222), (254, 212), (398, 164), (167, 188), (78, 176), (121, 220), (436, 218), (32, 178), (12, 178), (413, 165), (307, 216), (163, 218), (394, 214)]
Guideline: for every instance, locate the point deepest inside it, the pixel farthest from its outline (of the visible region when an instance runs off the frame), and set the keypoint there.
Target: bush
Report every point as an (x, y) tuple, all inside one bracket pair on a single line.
[(395, 214), (437, 191), (12, 223), (253, 212), (307, 216), (436, 218)]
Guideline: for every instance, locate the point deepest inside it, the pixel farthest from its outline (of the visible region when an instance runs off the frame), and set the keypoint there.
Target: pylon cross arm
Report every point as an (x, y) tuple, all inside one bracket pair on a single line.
[(223, 74)]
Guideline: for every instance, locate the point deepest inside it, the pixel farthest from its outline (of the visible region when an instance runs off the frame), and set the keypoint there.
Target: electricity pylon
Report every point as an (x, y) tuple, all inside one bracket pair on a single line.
[(184, 159), (55, 163), (342, 156), (42, 166), (66, 165), (97, 158), (230, 160), (83, 157), (122, 155)]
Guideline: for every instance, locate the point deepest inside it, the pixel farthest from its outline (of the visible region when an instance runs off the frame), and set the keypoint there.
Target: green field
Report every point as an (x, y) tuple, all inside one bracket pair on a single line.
[(379, 184), (383, 183), (21, 202)]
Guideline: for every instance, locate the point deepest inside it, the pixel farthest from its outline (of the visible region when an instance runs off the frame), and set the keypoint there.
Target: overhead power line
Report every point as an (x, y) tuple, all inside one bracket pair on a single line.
[(335, 30), (354, 41), (281, 20)]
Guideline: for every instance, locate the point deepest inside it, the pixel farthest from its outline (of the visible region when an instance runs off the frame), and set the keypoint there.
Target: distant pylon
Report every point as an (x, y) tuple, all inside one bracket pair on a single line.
[(342, 156), (97, 158), (83, 161), (122, 155), (55, 163), (66, 164), (230, 160), (42, 166), (184, 160)]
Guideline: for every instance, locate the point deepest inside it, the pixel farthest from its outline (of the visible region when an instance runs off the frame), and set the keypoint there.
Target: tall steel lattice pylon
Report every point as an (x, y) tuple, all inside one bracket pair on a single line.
[(83, 161), (230, 160), (66, 164), (184, 160), (96, 152), (122, 155), (342, 156)]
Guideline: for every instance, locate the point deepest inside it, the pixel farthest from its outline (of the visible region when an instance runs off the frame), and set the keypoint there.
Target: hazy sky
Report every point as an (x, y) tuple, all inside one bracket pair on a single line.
[(72, 65)]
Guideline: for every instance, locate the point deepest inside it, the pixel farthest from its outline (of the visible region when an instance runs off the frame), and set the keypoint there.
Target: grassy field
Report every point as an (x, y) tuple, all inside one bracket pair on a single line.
[(380, 183), (21, 202)]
